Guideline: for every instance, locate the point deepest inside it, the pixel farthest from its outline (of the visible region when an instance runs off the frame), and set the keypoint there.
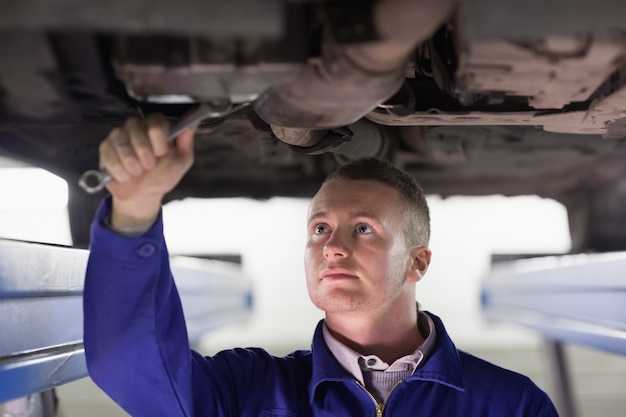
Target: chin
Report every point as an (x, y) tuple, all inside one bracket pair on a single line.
[(338, 302)]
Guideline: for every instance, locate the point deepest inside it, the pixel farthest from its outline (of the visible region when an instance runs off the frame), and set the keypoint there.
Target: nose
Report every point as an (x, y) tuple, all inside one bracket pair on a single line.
[(337, 245)]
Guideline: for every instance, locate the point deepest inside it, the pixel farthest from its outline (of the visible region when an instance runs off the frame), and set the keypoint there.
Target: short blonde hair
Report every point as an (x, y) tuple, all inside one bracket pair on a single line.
[(415, 208)]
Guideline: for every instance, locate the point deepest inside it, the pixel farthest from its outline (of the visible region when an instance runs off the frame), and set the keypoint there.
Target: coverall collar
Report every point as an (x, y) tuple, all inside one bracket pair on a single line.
[(443, 365)]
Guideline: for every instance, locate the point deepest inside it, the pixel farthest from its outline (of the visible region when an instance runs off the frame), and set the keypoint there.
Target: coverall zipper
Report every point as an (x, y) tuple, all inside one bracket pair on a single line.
[(380, 407)]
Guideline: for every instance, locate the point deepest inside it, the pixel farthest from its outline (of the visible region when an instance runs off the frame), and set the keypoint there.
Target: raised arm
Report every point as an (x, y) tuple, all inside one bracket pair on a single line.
[(136, 342), (135, 338)]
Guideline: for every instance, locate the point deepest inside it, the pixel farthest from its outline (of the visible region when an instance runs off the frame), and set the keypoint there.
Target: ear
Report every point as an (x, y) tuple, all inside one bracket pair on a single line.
[(420, 259)]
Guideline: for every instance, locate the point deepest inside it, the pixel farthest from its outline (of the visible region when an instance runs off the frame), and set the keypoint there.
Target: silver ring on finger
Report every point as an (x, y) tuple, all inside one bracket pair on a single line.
[(122, 146)]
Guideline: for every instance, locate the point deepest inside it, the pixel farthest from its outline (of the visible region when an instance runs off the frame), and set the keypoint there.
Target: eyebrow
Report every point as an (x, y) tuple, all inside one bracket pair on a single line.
[(356, 214)]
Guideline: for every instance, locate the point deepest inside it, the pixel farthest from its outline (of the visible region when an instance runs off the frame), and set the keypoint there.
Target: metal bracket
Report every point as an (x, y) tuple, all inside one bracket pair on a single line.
[(333, 139)]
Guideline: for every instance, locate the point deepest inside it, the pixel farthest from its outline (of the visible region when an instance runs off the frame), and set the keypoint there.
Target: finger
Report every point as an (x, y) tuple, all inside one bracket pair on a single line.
[(121, 142), (140, 142), (158, 128), (184, 144), (184, 141), (111, 163)]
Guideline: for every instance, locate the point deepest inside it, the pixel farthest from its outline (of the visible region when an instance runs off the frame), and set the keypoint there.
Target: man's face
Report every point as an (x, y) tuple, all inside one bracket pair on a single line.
[(356, 257)]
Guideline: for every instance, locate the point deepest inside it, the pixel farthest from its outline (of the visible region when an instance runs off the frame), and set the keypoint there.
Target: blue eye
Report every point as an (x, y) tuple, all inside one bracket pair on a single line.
[(363, 228), (320, 228)]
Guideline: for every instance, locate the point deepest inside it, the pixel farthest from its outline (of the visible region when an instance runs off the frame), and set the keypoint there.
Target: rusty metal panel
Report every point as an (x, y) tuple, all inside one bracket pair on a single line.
[(533, 19), (214, 17)]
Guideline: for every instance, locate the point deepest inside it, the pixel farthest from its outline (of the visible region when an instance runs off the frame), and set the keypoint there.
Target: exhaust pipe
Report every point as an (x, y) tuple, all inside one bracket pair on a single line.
[(350, 80)]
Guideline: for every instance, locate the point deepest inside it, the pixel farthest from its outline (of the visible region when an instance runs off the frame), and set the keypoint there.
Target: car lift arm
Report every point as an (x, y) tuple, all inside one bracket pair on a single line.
[(567, 299), (41, 319)]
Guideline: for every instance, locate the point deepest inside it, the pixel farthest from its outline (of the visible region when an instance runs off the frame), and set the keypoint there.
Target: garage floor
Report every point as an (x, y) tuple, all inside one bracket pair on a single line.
[(599, 382)]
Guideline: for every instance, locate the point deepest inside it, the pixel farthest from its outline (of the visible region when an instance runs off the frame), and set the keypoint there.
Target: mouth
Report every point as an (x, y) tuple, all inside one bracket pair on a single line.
[(335, 274)]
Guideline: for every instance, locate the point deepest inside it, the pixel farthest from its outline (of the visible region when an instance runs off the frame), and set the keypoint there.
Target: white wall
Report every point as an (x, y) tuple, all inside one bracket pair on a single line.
[(33, 206)]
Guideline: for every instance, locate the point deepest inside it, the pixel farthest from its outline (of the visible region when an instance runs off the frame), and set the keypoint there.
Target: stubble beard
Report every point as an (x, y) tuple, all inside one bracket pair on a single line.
[(342, 300), (338, 300)]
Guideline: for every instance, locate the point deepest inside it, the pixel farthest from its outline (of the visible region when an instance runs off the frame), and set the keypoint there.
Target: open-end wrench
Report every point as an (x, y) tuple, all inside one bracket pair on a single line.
[(94, 180)]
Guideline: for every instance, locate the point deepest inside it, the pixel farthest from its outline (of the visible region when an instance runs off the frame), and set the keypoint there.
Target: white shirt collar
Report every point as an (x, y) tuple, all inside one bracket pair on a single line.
[(355, 363)]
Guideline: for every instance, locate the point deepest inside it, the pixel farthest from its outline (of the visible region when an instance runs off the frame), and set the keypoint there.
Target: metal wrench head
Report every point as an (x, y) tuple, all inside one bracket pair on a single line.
[(94, 180)]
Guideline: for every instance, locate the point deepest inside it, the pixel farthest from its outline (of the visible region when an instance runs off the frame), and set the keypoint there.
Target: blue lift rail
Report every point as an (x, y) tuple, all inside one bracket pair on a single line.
[(571, 298), (578, 299), (41, 319)]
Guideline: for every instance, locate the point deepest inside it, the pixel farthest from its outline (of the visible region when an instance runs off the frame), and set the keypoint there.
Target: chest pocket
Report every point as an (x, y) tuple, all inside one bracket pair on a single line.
[(277, 413)]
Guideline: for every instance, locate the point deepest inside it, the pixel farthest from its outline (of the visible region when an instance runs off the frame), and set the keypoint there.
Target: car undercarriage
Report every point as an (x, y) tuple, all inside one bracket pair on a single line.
[(473, 97)]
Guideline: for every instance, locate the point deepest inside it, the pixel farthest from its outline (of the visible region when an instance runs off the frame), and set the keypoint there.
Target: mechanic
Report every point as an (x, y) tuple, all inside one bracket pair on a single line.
[(375, 353)]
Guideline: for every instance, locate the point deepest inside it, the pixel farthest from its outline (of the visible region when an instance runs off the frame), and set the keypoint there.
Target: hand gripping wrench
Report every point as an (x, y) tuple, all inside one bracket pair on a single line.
[(94, 180)]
